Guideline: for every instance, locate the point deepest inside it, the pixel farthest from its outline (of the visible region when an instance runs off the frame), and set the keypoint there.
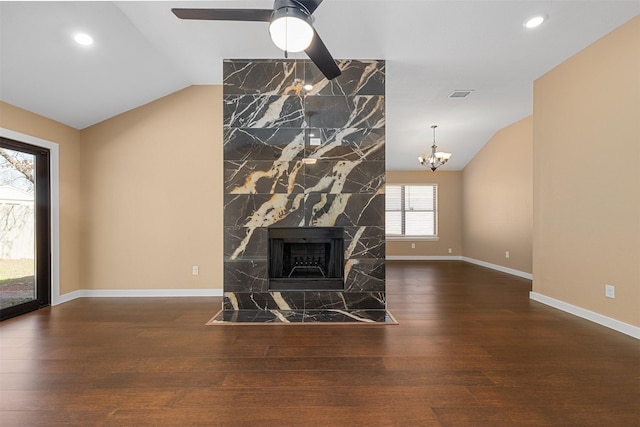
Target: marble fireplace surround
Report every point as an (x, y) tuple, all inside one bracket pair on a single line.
[(272, 128)]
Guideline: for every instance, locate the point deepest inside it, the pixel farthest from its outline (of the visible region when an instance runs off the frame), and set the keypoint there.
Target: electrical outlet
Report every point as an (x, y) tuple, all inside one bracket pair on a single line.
[(609, 291), (506, 254), (413, 246), (450, 251), (195, 270)]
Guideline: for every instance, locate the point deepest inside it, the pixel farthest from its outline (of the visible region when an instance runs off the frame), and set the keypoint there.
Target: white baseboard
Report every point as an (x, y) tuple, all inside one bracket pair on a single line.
[(423, 258), (136, 293), (499, 268), (69, 296), (460, 258), (614, 324)]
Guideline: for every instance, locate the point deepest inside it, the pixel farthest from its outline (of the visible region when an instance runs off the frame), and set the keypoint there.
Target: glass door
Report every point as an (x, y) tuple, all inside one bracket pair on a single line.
[(25, 255)]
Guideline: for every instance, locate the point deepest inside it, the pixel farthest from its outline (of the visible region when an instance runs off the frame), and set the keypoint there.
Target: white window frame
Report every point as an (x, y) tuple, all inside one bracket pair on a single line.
[(433, 237)]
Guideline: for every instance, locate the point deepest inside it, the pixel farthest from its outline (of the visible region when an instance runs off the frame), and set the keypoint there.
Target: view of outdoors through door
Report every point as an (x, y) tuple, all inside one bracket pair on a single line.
[(22, 214)]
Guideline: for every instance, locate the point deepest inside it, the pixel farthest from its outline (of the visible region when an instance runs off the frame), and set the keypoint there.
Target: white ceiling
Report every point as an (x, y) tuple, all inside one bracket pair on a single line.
[(143, 52)]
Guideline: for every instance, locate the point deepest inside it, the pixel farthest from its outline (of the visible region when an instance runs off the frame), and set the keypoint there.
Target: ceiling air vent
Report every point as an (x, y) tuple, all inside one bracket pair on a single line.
[(460, 93)]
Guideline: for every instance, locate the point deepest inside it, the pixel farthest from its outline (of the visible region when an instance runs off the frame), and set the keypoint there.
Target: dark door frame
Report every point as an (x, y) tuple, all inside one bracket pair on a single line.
[(42, 227)]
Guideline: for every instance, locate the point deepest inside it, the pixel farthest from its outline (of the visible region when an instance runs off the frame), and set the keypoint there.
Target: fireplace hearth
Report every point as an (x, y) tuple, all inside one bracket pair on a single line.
[(306, 258)]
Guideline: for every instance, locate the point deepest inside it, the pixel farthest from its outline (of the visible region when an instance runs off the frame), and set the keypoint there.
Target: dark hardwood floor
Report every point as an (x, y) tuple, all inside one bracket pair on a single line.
[(471, 349)]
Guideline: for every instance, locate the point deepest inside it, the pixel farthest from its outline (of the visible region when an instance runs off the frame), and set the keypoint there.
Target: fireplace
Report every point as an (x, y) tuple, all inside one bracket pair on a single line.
[(306, 258), (268, 187)]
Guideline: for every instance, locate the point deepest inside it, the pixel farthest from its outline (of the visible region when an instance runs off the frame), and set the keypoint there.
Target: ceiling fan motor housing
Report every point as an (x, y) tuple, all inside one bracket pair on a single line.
[(291, 5), (282, 8)]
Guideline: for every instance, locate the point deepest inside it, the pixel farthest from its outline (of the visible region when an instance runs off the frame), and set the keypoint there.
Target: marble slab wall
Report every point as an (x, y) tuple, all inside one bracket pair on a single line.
[(271, 123)]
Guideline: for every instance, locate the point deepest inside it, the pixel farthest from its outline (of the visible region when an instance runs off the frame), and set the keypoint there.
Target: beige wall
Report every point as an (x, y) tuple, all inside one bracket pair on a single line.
[(497, 199), (449, 214), (68, 140), (586, 173), (152, 195)]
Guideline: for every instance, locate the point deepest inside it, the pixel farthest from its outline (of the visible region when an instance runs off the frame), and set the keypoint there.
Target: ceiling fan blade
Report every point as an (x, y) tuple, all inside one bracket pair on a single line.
[(262, 15), (319, 54), (310, 5)]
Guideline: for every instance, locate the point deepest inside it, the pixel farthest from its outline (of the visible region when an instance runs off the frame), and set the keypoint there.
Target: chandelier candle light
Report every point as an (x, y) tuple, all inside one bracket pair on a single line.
[(434, 159)]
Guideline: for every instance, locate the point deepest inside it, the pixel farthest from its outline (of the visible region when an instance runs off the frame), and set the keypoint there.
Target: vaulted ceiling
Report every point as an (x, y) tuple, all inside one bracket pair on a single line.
[(432, 48)]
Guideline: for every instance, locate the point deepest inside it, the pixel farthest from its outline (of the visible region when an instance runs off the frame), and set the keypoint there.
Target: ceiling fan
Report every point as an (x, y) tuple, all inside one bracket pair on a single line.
[(290, 28)]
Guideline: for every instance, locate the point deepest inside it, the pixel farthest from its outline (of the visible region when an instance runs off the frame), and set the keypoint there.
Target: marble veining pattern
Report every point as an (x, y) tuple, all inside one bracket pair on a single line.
[(263, 111), (262, 78), (348, 144), (360, 111), (366, 317), (270, 125), (358, 78), (263, 144)]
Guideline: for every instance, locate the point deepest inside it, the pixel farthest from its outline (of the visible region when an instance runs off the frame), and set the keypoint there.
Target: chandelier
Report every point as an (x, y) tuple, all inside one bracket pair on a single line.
[(434, 159)]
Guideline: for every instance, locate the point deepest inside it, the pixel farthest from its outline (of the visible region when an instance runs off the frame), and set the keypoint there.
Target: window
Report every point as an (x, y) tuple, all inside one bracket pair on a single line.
[(411, 210)]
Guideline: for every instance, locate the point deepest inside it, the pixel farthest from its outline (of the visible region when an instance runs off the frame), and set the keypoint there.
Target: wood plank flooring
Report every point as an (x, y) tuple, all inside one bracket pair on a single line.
[(471, 350)]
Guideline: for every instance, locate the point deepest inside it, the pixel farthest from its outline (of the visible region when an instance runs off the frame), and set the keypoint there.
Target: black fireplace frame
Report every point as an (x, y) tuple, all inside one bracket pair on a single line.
[(330, 275)]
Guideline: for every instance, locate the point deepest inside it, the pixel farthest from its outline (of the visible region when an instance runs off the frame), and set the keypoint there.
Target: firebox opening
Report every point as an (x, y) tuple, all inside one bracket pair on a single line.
[(306, 258)]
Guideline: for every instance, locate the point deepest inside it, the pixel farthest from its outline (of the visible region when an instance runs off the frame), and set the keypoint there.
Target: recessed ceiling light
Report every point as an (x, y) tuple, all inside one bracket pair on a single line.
[(534, 21), (83, 39)]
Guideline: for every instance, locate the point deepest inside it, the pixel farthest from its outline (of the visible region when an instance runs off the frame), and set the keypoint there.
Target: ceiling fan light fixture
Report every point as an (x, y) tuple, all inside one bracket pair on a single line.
[(290, 29)]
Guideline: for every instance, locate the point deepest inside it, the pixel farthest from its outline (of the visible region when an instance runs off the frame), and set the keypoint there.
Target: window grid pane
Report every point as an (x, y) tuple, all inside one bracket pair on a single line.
[(419, 223), (393, 224)]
